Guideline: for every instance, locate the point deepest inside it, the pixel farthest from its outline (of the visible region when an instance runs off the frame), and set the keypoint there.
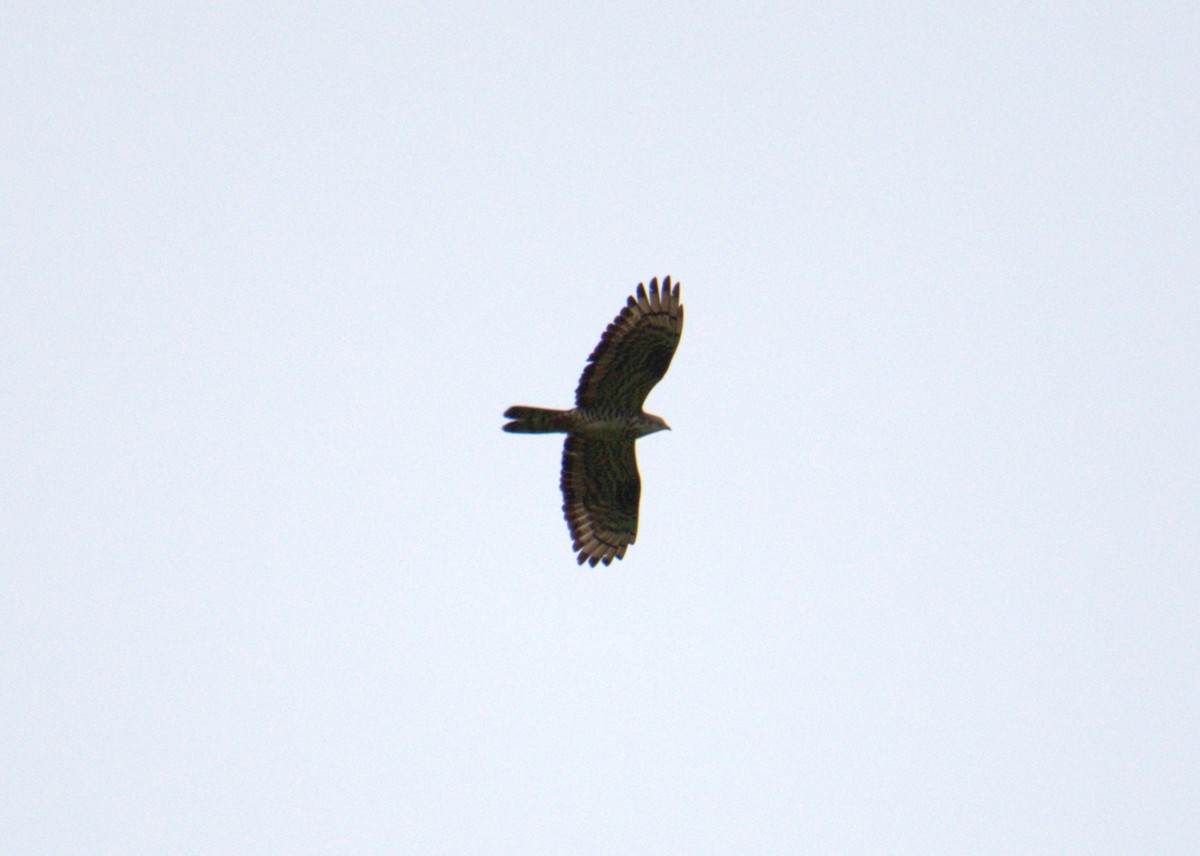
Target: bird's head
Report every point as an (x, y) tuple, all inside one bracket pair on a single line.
[(653, 424)]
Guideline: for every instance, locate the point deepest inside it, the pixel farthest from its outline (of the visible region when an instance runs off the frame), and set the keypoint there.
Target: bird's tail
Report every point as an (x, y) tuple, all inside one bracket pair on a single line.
[(535, 420)]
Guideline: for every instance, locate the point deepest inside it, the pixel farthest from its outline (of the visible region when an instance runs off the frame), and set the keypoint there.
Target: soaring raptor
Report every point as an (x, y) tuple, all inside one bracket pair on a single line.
[(600, 483)]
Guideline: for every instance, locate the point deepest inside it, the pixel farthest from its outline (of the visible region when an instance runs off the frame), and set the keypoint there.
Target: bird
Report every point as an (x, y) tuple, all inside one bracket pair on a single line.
[(600, 484)]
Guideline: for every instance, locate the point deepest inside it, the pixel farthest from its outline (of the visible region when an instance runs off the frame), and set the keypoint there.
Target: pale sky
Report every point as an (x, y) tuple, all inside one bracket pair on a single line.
[(918, 568)]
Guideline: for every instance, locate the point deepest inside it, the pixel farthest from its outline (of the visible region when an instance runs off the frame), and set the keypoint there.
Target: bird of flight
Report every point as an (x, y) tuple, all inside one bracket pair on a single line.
[(600, 483)]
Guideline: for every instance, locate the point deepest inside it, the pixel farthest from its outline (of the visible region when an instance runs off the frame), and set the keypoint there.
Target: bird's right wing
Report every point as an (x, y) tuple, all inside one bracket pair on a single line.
[(635, 351)]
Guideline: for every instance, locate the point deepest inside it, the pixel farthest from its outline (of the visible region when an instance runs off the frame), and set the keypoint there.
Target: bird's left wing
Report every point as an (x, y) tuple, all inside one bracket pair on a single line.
[(601, 490)]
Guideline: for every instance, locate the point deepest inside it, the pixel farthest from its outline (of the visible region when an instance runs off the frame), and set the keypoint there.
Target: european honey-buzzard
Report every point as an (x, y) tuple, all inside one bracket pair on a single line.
[(600, 483)]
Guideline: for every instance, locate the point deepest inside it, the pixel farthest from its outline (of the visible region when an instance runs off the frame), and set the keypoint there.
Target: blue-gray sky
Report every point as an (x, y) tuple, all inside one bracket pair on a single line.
[(918, 565)]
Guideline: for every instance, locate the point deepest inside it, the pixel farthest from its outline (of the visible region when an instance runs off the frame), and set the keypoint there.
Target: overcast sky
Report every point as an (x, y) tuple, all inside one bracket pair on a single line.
[(918, 568)]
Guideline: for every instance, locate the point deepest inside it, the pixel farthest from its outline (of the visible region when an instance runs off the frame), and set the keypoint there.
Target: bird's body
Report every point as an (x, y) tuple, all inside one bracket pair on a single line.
[(600, 483), (584, 421)]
